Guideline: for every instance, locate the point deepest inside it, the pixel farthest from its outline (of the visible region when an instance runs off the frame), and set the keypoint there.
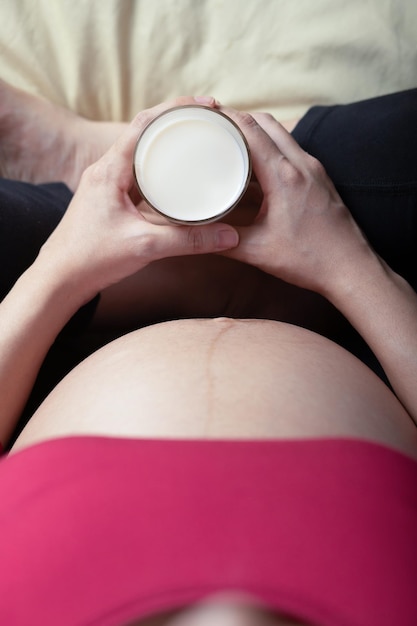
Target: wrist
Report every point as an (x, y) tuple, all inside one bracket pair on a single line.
[(61, 282), (355, 278)]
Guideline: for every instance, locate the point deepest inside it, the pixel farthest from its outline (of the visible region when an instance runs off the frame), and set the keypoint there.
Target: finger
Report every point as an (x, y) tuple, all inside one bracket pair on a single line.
[(250, 239), (117, 162), (264, 152), (281, 137), (188, 240)]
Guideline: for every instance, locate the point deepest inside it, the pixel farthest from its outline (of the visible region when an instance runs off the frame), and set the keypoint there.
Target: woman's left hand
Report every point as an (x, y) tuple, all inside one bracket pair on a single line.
[(104, 238)]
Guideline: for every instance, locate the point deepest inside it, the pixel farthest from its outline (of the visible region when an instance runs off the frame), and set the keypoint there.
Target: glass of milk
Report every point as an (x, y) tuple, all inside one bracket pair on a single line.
[(192, 164)]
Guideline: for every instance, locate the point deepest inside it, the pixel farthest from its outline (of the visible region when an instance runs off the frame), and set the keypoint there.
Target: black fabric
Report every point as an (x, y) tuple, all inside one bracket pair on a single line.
[(369, 151), (28, 215)]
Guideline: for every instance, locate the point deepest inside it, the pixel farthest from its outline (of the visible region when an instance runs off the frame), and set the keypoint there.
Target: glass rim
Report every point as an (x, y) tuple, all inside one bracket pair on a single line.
[(212, 218)]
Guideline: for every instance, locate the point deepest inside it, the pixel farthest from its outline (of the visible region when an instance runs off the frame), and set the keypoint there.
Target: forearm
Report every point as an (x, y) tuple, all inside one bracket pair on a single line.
[(31, 316), (382, 307)]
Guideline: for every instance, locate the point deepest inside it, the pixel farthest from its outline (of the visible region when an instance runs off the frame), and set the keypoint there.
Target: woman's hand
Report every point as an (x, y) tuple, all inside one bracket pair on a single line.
[(104, 238), (303, 233)]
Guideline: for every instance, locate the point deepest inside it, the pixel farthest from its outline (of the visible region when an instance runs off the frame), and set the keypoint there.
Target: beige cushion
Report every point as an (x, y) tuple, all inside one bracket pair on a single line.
[(107, 59)]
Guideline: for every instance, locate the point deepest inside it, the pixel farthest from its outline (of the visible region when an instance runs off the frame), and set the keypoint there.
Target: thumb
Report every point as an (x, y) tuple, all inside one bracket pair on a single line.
[(185, 240)]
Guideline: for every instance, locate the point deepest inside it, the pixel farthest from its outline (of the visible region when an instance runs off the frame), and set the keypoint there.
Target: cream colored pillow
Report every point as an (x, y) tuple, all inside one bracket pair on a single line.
[(107, 59)]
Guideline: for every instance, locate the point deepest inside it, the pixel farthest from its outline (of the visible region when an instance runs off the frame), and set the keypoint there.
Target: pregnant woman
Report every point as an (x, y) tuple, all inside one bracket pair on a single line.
[(218, 470)]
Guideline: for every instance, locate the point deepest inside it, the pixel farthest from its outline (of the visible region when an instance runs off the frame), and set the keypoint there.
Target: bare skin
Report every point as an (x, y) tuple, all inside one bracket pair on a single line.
[(218, 378), (81, 258), (43, 142), (232, 379), (221, 610)]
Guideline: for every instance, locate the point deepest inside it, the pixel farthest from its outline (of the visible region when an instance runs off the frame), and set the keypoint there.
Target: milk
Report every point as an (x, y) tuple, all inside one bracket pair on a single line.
[(192, 164)]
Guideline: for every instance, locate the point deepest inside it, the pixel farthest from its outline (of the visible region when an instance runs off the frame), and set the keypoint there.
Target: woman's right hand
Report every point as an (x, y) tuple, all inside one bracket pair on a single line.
[(103, 236), (303, 234)]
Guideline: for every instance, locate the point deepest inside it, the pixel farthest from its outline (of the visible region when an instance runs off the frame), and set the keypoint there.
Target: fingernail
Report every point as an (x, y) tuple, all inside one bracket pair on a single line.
[(205, 100), (227, 239)]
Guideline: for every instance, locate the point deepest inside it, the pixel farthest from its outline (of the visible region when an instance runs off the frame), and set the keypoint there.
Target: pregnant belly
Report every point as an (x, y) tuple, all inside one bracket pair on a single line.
[(223, 378)]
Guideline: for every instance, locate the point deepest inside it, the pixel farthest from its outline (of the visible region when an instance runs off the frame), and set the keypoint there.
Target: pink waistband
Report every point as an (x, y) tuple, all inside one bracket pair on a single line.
[(97, 530)]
